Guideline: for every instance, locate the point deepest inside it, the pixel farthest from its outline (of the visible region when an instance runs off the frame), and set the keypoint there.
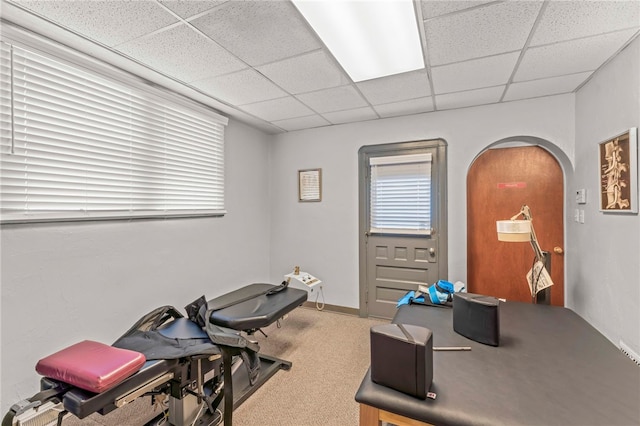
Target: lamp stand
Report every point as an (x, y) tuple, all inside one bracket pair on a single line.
[(544, 296)]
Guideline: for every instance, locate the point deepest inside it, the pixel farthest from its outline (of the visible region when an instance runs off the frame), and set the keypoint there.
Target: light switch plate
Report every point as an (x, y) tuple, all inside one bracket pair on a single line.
[(581, 196)]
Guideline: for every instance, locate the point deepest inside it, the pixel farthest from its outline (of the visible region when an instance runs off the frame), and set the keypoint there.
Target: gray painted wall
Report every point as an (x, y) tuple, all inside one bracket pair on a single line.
[(605, 275), (322, 237), (62, 283)]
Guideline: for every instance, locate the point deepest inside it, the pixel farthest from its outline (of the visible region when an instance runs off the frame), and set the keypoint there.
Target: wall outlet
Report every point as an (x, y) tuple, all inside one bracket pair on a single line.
[(581, 196)]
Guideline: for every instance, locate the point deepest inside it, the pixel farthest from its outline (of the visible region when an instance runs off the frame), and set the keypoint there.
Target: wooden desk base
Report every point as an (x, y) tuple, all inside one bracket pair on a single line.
[(371, 416)]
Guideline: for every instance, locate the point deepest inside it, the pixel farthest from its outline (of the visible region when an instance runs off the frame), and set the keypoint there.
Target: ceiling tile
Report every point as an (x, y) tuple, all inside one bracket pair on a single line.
[(278, 109), (182, 53), (488, 95), (545, 86), (570, 57), (351, 115), (433, 8), (399, 87), (474, 74), (108, 22), (259, 32), (239, 88), (566, 20), (484, 31), (334, 99), (306, 73), (302, 123), (188, 8), (412, 106), (259, 60)]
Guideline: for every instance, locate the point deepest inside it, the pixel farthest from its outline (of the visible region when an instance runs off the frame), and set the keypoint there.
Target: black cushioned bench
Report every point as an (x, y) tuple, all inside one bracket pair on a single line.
[(189, 380), (256, 309)]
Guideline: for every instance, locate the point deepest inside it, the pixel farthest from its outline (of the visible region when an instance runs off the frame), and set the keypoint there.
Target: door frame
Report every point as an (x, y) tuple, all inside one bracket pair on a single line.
[(439, 214)]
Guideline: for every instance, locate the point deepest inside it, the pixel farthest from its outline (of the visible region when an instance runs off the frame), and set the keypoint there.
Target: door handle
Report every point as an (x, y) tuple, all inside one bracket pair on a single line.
[(558, 250)]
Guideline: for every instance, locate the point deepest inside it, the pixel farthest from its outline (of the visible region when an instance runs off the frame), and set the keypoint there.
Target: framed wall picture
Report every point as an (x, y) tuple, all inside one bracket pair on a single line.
[(310, 185), (618, 169)]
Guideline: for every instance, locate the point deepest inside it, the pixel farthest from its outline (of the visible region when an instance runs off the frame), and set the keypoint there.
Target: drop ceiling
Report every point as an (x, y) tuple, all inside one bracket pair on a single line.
[(260, 62)]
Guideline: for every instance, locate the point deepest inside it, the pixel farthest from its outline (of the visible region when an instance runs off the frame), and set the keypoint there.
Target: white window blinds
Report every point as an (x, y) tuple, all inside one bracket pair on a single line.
[(400, 194), (76, 145)]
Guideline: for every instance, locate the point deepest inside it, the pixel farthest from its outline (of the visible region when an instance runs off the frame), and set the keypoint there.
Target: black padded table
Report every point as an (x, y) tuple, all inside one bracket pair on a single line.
[(551, 368), (250, 307)]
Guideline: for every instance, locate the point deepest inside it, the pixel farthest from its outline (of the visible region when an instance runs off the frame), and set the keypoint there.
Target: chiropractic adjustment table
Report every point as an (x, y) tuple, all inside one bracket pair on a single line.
[(189, 366), (551, 368)]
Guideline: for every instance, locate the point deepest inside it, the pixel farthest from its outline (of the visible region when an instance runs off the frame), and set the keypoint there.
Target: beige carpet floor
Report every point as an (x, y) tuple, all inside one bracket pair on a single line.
[(330, 355)]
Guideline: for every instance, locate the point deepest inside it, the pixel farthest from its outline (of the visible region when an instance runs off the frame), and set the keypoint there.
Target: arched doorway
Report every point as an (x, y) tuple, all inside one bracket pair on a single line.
[(499, 182)]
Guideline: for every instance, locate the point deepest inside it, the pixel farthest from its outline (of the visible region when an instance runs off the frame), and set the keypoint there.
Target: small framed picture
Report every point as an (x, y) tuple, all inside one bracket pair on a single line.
[(618, 165), (310, 185)]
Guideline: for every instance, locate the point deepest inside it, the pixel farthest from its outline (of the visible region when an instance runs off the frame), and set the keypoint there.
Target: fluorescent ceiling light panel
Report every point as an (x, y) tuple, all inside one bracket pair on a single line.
[(369, 38)]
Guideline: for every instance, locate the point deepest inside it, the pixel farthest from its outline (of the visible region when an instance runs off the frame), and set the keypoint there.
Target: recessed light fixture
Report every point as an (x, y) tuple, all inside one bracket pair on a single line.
[(369, 38)]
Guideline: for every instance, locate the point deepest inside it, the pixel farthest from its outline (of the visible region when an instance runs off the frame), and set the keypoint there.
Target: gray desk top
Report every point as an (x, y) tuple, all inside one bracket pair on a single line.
[(551, 368)]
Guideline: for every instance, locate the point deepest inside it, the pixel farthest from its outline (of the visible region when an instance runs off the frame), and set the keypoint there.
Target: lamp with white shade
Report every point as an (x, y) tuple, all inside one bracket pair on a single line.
[(521, 230)]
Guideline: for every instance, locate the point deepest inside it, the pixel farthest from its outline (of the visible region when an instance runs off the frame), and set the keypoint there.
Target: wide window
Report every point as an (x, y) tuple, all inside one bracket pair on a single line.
[(78, 145), (400, 194)]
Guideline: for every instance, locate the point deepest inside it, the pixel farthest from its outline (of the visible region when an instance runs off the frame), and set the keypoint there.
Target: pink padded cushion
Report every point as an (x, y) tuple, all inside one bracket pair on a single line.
[(91, 366)]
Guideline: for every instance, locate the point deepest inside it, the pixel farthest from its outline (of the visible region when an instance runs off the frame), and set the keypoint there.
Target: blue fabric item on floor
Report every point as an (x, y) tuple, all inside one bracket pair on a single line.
[(407, 298), (439, 293)]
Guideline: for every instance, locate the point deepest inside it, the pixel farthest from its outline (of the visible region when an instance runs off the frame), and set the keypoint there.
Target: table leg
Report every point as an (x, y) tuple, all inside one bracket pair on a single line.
[(372, 416), (369, 416)]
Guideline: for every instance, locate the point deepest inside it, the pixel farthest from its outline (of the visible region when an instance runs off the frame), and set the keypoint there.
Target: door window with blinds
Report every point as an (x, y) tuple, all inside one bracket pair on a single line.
[(400, 194), (78, 145)]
